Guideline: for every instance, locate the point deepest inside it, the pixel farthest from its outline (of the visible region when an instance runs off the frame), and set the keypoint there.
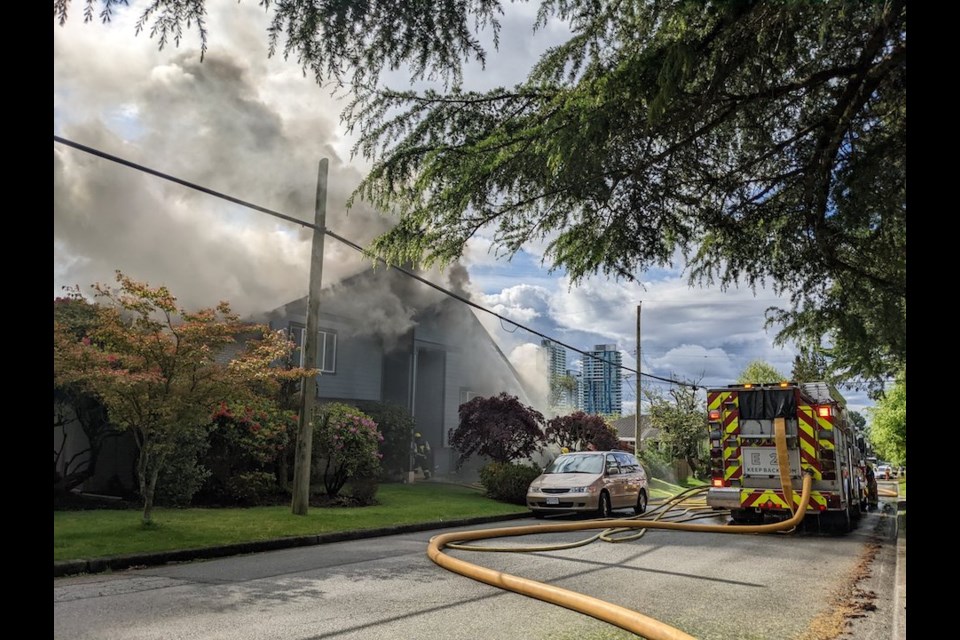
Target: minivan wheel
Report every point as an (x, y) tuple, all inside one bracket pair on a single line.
[(605, 510), (641, 502)]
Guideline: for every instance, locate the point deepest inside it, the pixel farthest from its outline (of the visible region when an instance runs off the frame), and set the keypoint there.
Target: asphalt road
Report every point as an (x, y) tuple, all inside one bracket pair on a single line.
[(712, 586)]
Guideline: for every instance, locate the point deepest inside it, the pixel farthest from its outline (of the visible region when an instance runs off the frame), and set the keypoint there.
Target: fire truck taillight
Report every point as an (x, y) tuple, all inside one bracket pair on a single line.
[(823, 411), (714, 415), (718, 482)]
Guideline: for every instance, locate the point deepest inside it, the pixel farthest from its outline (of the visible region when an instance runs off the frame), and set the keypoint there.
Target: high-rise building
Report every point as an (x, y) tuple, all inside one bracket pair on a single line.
[(561, 383), (557, 358), (600, 386)]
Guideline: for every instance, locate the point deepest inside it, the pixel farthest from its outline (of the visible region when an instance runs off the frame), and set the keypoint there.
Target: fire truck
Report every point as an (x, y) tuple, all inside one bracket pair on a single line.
[(747, 476)]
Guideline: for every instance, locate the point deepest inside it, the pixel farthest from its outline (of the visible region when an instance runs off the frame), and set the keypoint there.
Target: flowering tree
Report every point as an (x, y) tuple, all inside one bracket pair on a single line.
[(346, 441), (578, 429), (154, 366), (499, 427)]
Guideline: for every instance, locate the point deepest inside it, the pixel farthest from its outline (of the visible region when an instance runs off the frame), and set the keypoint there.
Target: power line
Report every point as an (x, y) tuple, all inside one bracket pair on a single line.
[(349, 243)]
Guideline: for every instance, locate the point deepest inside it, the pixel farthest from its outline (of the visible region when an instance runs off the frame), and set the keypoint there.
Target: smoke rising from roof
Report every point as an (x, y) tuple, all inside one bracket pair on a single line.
[(220, 123)]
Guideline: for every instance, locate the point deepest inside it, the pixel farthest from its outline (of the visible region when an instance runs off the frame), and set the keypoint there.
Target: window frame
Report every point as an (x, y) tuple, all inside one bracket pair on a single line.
[(327, 336)]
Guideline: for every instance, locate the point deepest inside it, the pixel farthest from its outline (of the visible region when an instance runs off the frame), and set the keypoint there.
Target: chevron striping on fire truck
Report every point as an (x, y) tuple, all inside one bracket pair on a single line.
[(820, 440)]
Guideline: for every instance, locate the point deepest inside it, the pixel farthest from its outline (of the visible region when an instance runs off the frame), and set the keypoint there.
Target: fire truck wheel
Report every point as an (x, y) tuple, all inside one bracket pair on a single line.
[(641, 502), (836, 521), (855, 512), (605, 510)]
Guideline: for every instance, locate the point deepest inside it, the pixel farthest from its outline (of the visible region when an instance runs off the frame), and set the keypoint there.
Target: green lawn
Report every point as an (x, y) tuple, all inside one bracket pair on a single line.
[(97, 534)]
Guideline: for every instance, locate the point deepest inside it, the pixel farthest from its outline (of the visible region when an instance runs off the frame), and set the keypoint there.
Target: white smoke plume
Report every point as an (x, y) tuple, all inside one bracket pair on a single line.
[(238, 123)]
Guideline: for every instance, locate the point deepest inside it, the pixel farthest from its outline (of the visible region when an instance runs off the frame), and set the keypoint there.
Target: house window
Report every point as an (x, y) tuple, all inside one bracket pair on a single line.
[(326, 348), (466, 395)]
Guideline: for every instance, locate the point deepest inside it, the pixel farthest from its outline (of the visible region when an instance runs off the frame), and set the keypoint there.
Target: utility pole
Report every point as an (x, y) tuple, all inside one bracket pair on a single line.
[(308, 388), (636, 440)]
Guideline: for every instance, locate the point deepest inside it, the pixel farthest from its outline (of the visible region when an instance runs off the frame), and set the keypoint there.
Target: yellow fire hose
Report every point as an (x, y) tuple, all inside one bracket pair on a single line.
[(622, 617)]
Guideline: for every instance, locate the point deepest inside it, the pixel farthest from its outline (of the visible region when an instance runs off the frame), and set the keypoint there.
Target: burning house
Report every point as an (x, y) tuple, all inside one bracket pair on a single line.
[(389, 338)]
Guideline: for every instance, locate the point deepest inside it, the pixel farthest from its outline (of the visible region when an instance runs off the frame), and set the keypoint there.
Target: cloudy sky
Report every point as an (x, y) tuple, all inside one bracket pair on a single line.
[(255, 128)]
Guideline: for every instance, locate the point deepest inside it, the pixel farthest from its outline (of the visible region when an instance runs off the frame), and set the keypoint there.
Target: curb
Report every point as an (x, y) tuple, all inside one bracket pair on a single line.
[(116, 563), (899, 625)]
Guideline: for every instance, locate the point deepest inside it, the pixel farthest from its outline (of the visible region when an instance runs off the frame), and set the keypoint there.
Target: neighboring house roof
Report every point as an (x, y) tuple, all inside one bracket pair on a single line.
[(626, 427)]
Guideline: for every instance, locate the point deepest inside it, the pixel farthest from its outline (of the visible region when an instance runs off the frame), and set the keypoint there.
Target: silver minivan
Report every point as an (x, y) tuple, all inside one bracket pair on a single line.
[(590, 482)]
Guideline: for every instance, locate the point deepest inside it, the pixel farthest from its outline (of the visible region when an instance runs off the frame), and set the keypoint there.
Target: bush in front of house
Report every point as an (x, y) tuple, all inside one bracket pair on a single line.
[(363, 489), (252, 489), (181, 477), (499, 427), (246, 437), (346, 445), (508, 482), (397, 426)]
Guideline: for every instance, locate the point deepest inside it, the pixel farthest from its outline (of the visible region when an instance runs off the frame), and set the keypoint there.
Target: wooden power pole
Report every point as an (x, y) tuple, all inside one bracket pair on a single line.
[(308, 388), (636, 440)]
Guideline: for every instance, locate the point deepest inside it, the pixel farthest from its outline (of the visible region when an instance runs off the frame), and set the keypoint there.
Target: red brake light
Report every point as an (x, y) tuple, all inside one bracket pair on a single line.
[(717, 482), (714, 414), (824, 411)]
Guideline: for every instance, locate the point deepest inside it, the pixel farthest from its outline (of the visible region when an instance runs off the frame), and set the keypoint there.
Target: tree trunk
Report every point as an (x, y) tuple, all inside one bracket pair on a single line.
[(148, 496)]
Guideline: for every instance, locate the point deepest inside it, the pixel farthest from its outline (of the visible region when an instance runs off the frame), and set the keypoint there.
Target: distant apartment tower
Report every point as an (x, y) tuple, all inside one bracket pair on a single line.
[(600, 389), (563, 391)]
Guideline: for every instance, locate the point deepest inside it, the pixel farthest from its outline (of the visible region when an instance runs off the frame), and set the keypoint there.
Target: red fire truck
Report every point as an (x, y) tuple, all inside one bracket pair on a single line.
[(819, 438)]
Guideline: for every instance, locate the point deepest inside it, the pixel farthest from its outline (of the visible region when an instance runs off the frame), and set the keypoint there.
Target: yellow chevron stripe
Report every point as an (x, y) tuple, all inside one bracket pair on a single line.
[(826, 444), (815, 499), (771, 496), (729, 471), (719, 400), (767, 496), (728, 452)]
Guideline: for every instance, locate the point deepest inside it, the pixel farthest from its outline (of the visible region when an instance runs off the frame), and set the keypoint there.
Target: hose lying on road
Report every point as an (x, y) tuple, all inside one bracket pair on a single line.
[(614, 614), (622, 617)]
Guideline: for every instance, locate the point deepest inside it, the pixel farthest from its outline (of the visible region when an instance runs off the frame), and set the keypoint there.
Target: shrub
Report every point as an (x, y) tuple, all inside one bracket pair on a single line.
[(657, 463), (499, 427), (252, 488), (182, 475), (508, 482), (578, 429), (345, 445), (364, 489), (245, 437), (397, 427)]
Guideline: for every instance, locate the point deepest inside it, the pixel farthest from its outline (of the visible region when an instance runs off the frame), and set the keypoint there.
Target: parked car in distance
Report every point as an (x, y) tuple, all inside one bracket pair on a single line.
[(590, 482), (884, 472)]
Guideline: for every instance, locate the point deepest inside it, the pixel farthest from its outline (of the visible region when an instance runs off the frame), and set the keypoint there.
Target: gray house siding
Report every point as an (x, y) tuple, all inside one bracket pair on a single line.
[(358, 363), (430, 358), (359, 370)]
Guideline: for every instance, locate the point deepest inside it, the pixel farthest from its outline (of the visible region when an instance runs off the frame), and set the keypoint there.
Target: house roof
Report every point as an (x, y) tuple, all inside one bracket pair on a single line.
[(409, 300), (626, 427)]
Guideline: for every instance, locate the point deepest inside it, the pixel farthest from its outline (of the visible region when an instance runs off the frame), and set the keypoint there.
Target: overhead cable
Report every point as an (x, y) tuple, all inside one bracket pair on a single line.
[(349, 243)]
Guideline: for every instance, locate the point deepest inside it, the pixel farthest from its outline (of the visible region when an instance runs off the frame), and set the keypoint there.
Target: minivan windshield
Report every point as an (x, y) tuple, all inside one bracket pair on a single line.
[(573, 463)]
